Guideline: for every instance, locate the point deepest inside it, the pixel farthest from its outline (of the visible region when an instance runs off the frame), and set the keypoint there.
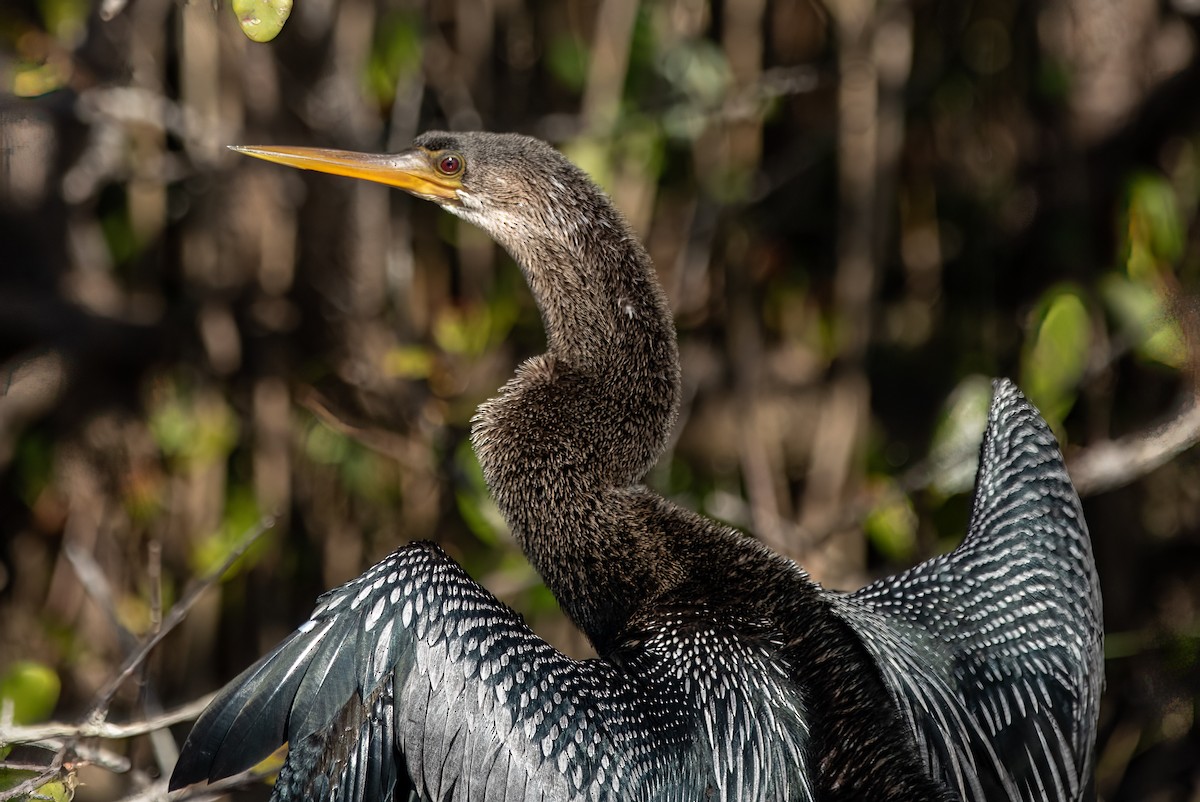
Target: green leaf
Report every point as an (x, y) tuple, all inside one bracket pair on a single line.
[(193, 428), (698, 70), (567, 59), (32, 689), (262, 20), (474, 502), (1056, 353), (409, 362), (473, 332), (954, 450), (892, 526), (1144, 321), (397, 51), (56, 790), (1155, 227)]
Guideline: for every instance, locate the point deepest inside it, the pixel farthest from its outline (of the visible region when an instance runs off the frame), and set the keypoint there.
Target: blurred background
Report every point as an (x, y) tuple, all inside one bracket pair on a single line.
[(860, 212)]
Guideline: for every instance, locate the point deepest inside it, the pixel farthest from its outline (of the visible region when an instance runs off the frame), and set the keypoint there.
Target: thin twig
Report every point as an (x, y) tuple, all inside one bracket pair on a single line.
[(178, 613), (74, 755), (202, 792), (91, 576)]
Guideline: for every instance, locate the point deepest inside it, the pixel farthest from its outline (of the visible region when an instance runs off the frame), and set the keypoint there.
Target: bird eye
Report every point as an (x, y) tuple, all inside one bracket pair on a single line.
[(450, 164)]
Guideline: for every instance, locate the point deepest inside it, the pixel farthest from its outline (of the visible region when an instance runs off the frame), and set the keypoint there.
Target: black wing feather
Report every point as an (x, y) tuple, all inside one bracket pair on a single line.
[(413, 678), (994, 652)]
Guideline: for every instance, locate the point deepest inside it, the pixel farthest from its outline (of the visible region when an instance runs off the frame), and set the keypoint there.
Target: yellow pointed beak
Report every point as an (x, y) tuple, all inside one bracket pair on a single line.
[(410, 171)]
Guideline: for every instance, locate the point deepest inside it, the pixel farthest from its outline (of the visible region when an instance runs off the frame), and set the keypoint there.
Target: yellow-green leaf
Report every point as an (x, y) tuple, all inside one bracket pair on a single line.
[(262, 20), (241, 515), (56, 791), (409, 362), (954, 449), (892, 526), (1056, 353), (32, 689), (1154, 220), (1144, 320)]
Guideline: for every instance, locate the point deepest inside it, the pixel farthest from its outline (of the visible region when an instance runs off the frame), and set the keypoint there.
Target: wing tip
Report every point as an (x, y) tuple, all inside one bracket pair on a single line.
[(193, 766), (1010, 413)]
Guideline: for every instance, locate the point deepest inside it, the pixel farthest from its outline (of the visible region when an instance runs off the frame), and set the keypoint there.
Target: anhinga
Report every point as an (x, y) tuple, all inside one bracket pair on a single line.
[(724, 671)]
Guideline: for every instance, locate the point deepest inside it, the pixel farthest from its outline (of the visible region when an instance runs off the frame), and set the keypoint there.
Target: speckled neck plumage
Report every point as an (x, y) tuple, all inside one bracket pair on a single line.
[(566, 443)]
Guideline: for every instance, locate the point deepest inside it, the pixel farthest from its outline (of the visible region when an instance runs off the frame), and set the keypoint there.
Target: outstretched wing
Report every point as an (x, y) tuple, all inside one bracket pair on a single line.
[(994, 651), (414, 678)]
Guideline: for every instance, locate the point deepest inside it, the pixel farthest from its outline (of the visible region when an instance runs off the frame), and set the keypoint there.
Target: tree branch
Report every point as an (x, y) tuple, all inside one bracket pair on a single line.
[(103, 729), (1115, 463)]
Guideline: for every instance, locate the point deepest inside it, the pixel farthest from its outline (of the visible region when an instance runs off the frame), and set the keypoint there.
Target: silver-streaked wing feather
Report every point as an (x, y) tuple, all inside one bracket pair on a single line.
[(414, 678), (994, 652)]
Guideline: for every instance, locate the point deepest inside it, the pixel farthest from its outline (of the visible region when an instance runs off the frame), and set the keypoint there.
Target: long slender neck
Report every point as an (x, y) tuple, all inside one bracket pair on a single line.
[(566, 442)]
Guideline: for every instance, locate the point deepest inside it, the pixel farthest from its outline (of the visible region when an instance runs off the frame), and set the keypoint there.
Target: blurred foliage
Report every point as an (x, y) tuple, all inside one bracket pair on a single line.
[(891, 525), (1056, 353), (29, 691), (192, 341)]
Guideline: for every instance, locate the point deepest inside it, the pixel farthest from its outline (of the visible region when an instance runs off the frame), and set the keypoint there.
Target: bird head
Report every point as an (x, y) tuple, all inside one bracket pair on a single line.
[(512, 186)]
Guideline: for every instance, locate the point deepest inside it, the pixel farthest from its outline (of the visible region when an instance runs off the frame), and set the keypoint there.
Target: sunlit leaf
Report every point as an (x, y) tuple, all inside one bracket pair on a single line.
[(473, 331), (262, 20), (325, 446), (409, 362), (35, 80), (1056, 353), (953, 452), (1144, 321), (193, 428), (56, 791), (892, 526), (66, 19), (1155, 228), (32, 689), (594, 157)]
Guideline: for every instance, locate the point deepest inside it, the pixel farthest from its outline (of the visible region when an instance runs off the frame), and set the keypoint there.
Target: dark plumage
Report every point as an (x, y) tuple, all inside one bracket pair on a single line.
[(725, 672)]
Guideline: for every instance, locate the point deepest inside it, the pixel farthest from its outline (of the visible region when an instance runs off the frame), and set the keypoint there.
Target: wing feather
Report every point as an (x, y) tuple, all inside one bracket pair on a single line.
[(998, 645), (414, 679)]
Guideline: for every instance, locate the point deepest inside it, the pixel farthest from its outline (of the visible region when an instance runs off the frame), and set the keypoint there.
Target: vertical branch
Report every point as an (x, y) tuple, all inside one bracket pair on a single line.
[(760, 457), (873, 65), (857, 150), (608, 66)]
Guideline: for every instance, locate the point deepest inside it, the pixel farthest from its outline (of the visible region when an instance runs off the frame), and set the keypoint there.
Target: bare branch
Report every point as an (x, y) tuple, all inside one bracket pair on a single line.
[(1097, 469), (1116, 463), (103, 729), (26, 787)]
